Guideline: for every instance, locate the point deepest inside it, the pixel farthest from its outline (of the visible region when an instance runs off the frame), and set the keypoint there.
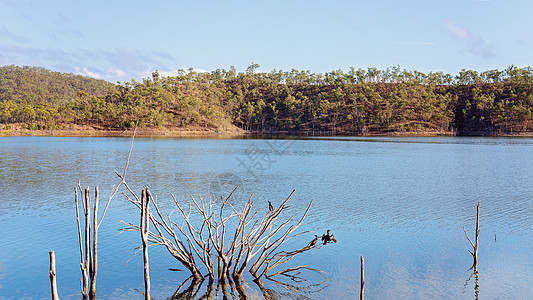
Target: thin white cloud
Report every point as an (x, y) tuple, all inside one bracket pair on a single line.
[(116, 72), (112, 65), (460, 32), (475, 44), (86, 72), (176, 72)]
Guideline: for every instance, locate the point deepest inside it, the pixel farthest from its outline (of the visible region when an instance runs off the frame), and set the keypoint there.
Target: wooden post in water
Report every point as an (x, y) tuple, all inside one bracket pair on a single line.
[(145, 218), (53, 282), (362, 295)]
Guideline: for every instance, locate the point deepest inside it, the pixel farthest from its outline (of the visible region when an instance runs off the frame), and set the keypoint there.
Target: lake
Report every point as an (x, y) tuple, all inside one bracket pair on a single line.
[(401, 202)]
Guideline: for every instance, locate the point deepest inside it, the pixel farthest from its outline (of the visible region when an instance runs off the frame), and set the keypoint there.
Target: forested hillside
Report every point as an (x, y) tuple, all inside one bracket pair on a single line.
[(361, 101)]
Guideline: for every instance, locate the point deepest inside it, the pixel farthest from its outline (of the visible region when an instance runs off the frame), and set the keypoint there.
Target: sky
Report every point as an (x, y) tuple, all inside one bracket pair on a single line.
[(120, 40)]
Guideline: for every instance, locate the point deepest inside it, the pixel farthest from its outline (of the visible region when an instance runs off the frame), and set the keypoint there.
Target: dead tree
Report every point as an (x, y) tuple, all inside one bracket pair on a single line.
[(88, 254), (53, 283), (474, 246), (166, 235), (85, 241), (362, 293), (89, 242), (269, 254), (145, 212), (202, 234)]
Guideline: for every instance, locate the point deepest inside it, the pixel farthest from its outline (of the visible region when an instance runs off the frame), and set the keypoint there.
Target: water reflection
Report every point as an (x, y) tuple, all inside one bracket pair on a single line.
[(191, 288), (475, 275), (396, 200)]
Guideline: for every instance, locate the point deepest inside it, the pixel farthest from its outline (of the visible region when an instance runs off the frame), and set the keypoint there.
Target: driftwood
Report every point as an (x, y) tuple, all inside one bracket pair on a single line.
[(53, 282)]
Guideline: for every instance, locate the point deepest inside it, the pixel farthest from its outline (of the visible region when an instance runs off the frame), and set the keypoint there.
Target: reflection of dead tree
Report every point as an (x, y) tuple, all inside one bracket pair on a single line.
[(474, 274), (237, 290), (192, 290), (224, 240), (268, 294), (475, 246)]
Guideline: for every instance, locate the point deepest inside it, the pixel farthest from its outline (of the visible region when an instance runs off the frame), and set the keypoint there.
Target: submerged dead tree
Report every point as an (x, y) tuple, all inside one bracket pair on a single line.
[(53, 282), (226, 241), (88, 241), (145, 211), (474, 245)]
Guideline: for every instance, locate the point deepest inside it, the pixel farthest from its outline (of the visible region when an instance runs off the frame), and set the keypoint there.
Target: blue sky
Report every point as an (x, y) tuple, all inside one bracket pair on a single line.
[(123, 40)]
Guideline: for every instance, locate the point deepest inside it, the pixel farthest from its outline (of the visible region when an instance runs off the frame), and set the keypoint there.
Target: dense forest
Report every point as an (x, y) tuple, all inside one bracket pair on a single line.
[(357, 102)]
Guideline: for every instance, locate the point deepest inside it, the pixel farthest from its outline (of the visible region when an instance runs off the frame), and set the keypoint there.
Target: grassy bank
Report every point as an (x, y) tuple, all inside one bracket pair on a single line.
[(20, 129)]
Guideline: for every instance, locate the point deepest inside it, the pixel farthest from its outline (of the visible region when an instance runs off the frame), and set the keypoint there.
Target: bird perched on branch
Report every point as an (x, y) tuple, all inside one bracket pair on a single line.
[(312, 243), (328, 238), (270, 207)]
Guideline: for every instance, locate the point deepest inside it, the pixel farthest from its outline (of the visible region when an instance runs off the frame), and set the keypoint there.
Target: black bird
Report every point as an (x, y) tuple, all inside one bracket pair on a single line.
[(328, 238), (270, 207), (312, 243)]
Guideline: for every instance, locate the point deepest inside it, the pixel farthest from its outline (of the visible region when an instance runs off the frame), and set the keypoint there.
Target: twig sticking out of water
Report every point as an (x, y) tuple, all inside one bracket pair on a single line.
[(475, 246)]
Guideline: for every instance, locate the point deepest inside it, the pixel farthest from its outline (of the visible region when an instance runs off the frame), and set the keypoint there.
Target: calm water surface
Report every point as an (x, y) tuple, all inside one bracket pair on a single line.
[(399, 202)]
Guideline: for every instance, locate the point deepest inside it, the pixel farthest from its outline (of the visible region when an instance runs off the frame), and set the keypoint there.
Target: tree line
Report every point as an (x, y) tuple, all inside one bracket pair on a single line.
[(360, 101)]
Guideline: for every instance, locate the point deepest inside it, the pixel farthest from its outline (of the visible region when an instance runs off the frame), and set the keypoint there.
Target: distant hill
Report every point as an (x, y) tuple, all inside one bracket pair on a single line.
[(360, 102), (34, 85)]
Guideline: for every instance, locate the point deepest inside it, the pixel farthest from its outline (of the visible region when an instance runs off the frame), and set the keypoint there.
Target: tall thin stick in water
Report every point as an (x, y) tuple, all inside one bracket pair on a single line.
[(145, 212), (53, 282), (84, 282), (87, 263), (362, 294), (94, 260)]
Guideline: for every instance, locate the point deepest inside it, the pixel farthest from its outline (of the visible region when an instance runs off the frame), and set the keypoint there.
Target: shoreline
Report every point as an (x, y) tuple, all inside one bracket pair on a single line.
[(89, 131), (194, 133), (73, 130)]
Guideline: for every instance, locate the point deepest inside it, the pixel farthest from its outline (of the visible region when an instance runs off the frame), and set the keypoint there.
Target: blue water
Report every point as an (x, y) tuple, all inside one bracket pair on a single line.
[(400, 202)]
